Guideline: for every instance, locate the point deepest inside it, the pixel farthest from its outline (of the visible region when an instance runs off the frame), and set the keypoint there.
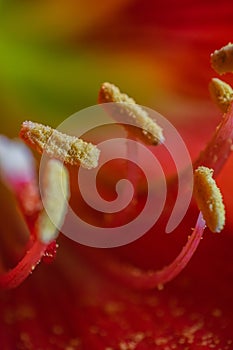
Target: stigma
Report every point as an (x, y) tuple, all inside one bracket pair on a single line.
[(209, 199)]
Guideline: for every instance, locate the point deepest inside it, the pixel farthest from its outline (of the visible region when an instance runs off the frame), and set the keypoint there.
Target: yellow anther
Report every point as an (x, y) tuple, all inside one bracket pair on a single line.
[(209, 198), (66, 148), (221, 93), (148, 131), (222, 60)]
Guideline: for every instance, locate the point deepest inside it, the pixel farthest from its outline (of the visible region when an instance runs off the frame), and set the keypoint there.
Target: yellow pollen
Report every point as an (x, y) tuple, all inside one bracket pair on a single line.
[(209, 198), (221, 93), (222, 60), (55, 187), (148, 131), (68, 149)]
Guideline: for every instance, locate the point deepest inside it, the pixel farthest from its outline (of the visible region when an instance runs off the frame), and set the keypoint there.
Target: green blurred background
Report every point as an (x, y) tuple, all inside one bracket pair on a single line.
[(55, 54)]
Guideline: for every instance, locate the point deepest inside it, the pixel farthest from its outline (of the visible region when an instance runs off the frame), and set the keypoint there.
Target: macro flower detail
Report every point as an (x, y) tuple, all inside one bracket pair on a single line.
[(39, 136), (117, 299), (124, 106)]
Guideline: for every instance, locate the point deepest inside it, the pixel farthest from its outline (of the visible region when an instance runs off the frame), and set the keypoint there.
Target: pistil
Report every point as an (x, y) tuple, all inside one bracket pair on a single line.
[(56, 195)]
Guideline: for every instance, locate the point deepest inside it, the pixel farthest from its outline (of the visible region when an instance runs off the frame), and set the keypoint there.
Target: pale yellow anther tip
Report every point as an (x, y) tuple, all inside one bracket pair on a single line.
[(221, 93), (148, 131), (56, 191), (209, 199), (222, 59), (68, 149)]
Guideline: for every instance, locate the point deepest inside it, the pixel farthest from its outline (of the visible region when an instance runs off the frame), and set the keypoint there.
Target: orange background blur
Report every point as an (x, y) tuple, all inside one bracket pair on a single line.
[(54, 54)]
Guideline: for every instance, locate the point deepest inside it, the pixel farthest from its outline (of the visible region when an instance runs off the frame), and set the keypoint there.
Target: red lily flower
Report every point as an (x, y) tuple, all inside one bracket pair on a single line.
[(94, 303), (93, 299)]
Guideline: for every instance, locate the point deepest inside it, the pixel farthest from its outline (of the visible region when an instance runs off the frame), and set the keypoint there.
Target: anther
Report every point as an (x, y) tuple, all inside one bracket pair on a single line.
[(68, 149), (222, 60), (209, 198), (131, 115), (221, 93)]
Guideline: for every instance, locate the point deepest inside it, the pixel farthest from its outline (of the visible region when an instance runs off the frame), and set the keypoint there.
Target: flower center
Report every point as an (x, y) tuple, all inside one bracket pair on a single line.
[(74, 152)]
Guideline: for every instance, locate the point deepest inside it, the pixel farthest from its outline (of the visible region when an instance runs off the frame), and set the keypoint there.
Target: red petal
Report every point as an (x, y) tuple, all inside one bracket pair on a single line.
[(70, 303)]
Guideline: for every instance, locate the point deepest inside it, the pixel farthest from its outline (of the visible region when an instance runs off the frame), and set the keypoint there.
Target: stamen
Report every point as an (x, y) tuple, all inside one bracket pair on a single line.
[(148, 131), (219, 147), (56, 190), (44, 231), (222, 60), (143, 279), (14, 277), (209, 198), (221, 93), (69, 149)]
